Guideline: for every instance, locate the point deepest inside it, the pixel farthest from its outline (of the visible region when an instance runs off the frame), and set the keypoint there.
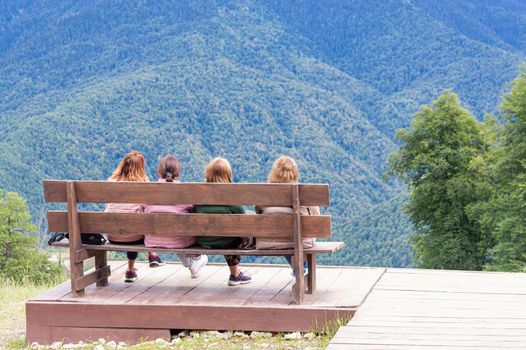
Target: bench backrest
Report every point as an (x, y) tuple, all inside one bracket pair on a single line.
[(274, 226)]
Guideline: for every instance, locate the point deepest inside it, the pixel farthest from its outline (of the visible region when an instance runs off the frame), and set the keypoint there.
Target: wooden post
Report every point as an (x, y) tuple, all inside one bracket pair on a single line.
[(311, 278), (297, 263), (101, 261), (77, 268)]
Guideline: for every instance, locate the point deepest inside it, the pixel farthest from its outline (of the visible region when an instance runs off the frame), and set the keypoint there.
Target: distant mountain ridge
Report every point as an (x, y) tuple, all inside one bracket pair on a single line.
[(325, 82)]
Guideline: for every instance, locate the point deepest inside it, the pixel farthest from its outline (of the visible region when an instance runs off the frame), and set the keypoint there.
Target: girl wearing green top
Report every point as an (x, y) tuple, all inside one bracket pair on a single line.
[(219, 170)]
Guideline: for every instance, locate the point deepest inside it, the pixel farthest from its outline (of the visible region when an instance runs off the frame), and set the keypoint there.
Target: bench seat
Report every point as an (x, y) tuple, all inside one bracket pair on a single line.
[(86, 251), (318, 248)]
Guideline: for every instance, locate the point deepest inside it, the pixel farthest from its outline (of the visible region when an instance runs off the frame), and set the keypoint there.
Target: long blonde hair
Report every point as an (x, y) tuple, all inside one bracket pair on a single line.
[(284, 170), (218, 170), (131, 168)]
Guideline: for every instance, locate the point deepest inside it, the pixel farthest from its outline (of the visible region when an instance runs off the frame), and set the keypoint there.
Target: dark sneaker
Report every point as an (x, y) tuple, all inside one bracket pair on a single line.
[(131, 276), (155, 260), (240, 279)]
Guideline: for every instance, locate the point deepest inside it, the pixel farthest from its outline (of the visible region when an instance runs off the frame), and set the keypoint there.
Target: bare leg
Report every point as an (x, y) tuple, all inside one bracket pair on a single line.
[(234, 270)]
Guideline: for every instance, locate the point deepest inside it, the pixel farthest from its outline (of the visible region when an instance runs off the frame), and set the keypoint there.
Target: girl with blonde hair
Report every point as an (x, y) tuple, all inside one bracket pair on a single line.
[(219, 170), (131, 168), (284, 170)]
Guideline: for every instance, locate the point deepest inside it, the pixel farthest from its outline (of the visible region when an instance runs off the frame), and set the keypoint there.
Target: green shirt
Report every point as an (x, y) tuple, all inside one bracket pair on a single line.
[(219, 242), (219, 209)]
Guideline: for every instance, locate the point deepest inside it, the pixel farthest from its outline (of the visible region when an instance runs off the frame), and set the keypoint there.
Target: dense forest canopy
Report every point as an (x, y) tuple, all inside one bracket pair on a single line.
[(467, 183), (437, 160), (326, 82)]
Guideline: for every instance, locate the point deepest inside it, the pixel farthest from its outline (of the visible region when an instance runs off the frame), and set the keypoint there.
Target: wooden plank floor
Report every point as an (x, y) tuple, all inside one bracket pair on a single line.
[(167, 298), (431, 309)]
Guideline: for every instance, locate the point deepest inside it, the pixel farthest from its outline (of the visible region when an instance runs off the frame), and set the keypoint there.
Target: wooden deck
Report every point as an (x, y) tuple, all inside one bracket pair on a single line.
[(166, 298), (397, 308), (430, 309)]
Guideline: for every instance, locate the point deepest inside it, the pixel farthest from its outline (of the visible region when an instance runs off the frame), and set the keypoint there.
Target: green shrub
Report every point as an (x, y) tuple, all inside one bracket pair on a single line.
[(20, 259)]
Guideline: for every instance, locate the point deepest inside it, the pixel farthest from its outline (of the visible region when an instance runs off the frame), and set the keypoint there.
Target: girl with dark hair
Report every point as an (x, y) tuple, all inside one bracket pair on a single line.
[(169, 170)]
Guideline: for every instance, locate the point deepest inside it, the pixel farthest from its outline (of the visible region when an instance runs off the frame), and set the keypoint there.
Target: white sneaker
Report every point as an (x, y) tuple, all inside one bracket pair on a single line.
[(305, 272), (196, 265)]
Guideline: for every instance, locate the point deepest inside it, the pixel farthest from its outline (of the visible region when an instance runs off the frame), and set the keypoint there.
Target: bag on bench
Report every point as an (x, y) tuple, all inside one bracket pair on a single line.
[(86, 238)]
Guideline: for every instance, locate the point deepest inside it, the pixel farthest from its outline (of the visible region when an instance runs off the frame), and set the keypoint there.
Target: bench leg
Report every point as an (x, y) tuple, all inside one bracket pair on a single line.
[(311, 277), (76, 267), (298, 289), (77, 271), (101, 261)]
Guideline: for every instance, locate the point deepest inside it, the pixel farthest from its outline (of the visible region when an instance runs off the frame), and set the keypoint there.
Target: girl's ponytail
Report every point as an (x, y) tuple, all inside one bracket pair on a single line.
[(169, 168)]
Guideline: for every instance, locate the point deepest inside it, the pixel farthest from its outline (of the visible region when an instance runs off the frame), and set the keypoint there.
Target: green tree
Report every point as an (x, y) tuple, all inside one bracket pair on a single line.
[(20, 259), (505, 213), (437, 160)]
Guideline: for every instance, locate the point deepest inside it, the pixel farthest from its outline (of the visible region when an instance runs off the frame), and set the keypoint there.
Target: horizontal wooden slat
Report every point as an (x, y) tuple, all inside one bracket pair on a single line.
[(92, 277), (187, 193), (84, 254), (288, 319), (318, 248), (274, 226)]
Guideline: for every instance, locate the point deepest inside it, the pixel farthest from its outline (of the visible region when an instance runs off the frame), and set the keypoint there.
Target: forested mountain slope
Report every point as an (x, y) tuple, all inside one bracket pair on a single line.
[(409, 51), (82, 83)]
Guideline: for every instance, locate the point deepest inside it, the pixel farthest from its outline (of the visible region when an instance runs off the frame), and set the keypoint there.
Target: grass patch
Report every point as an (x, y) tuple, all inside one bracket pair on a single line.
[(15, 344), (331, 328), (13, 316)]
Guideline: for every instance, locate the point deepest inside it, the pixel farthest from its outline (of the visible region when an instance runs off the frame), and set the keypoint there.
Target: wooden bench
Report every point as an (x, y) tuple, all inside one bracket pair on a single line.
[(292, 226)]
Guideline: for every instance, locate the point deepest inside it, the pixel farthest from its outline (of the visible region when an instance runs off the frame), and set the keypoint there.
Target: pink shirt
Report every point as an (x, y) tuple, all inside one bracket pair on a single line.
[(168, 241), (123, 208)]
